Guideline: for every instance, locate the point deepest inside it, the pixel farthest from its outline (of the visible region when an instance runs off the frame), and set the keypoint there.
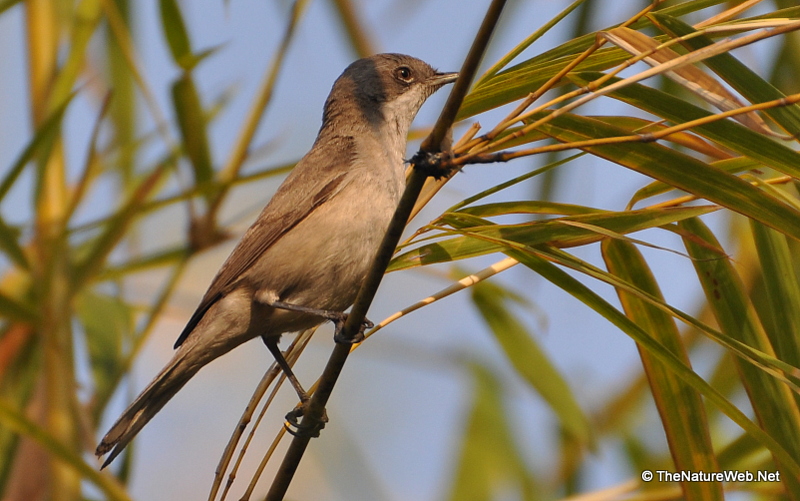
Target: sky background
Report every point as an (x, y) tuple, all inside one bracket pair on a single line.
[(397, 413)]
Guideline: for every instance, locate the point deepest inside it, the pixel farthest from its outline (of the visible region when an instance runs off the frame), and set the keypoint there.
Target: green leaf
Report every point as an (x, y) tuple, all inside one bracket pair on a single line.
[(6, 4), (772, 401), (14, 310), (11, 418), (530, 362), (518, 81), (578, 290), (97, 250), (730, 165), (679, 170), (9, 243), (528, 207), (529, 40), (783, 291), (738, 75), (476, 241), (489, 461), (107, 323), (176, 33), (87, 16), (727, 133), (192, 124), (41, 143), (138, 264), (682, 412)]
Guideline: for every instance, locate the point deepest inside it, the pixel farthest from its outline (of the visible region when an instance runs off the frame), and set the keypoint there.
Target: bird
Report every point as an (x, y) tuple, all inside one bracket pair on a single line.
[(304, 258)]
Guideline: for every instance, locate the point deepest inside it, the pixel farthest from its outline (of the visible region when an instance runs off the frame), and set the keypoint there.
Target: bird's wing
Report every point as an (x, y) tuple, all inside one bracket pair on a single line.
[(318, 177)]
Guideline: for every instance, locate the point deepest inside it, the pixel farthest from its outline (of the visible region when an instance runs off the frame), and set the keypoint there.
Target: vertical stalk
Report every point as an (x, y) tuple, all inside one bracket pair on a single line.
[(50, 263)]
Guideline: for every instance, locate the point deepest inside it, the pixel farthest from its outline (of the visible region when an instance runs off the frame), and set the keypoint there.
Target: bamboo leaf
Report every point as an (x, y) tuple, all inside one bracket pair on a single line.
[(176, 34), (192, 124), (489, 459), (41, 143), (16, 421), (530, 362), (518, 81), (97, 250), (783, 291), (679, 170), (682, 411), (689, 76), (724, 132), (528, 207), (747, 82), (529, 40), (158, 259), (578, 290), (773, 403), (107, 323), (731, 166), (9, 243), (766, 362), (522, 79), (537, 232)]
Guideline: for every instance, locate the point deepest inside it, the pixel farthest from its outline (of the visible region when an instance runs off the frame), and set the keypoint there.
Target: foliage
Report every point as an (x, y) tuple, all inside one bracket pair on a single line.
[(65, 279)]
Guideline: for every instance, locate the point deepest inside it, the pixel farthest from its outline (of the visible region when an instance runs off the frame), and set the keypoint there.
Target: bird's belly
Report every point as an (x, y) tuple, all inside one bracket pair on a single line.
[(322, 262)]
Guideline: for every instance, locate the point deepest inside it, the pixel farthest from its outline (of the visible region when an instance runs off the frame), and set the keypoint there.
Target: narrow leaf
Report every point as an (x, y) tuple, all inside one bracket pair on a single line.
[(489, 461), (724, 132), (192, 124), (685, 425), (530, 362), (176, 34), (772, 401), (743, 79), (538, 232), (14, 420), (108, 324), (679, 170), (783, 291), (571, 285), (9, 243), (43, 138), (689, 76)]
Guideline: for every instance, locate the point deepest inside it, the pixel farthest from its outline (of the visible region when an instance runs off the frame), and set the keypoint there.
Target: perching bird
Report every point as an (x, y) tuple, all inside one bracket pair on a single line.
[(313, 243)]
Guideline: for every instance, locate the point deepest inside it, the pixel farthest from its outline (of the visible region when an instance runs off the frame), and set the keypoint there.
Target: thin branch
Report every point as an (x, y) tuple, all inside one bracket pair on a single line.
[(504, 156), (359, 37), (514, 116), (292, 353), (368, 289), (240, 150), (460, 285)]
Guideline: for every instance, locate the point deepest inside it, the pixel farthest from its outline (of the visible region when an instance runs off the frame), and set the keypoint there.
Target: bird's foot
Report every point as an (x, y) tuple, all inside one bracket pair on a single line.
[(299, 428), (337, 317), (433, 164), (338, 325)]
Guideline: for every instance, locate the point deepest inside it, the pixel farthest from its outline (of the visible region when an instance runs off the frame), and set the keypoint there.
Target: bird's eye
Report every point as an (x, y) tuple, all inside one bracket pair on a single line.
[(404, 73)]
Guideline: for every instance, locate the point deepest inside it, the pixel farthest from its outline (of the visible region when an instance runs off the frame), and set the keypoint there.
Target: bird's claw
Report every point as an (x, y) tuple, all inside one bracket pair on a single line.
[(338, 324), (432, 164), (298, 428)]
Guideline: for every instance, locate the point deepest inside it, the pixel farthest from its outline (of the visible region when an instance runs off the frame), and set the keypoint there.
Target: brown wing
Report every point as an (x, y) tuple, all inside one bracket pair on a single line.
[(315, 180)]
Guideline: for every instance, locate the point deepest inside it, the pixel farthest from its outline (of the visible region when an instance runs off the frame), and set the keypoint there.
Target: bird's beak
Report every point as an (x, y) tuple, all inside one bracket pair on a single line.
[(442, 78)]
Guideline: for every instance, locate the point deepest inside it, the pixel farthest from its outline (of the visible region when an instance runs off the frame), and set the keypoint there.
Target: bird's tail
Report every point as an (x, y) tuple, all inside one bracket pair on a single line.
[(183, 366)]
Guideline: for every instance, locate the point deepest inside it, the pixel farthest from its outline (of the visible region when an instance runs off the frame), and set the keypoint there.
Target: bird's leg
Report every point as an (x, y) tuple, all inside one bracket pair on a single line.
[(308, 429), (337, 317)]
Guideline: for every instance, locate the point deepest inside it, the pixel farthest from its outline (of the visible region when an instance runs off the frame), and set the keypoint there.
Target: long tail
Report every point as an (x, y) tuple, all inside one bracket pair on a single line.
[(183, 366)]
